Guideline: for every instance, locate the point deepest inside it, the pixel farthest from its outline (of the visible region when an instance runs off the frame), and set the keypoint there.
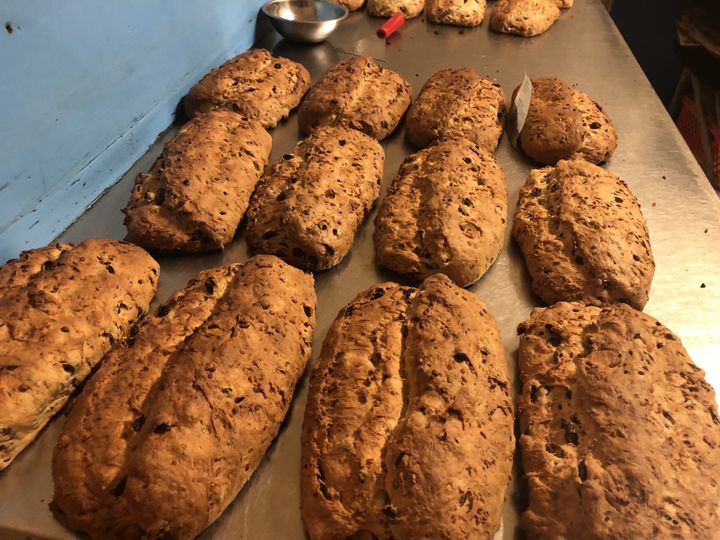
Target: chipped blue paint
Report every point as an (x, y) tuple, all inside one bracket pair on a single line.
[(85, 88)]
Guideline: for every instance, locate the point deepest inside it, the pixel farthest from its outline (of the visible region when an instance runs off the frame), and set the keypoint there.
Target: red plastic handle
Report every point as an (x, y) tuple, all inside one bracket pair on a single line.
[(392, 24)]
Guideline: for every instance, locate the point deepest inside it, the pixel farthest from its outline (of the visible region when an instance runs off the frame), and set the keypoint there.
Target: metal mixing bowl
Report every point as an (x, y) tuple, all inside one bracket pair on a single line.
[(309, 21)]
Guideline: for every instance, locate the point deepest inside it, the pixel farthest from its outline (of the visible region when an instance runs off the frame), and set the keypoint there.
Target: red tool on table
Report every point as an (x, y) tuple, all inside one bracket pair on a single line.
[(392, 24)]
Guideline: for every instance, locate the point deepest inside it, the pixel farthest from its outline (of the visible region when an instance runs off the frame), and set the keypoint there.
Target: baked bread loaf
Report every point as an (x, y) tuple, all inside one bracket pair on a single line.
[(195, 195), (352, 5), (524, 18), (255, 84), (61, 309), (444, 212), (583, 236), (457, 12), (408, 430), (358, 93), (387, 8), (175, 422), (620, 430), (563, 123), (308, 206), (457, 102)]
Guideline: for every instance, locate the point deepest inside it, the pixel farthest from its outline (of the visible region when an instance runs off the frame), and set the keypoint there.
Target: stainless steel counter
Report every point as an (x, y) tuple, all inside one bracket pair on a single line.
[(585, 49)]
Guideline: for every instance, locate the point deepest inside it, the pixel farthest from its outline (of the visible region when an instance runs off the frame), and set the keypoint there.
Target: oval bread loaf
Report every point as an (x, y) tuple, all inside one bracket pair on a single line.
[(620, 430), (358, 93), (408, 429), (444, 212), (583, 236), (457, 103), (308, 206), (255, 84), (563, 123), (196, 193), (457, 12), (524, 18), (167, 433), (71, 304)]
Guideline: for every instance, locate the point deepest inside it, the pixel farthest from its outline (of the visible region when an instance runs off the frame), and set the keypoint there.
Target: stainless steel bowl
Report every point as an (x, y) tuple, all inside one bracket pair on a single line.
[(309, 21)]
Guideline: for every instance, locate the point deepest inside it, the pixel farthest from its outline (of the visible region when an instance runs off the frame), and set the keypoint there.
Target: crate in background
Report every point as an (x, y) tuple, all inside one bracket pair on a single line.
[(689, 126)]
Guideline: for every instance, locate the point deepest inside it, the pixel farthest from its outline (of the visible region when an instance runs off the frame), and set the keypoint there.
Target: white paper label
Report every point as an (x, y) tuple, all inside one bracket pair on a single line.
[(519, 110)]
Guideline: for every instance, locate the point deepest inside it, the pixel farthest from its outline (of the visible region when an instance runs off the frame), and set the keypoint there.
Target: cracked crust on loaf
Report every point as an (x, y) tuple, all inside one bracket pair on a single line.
[(457, 103), (620, 430), (445, 211), (583, 236), (255, 84), (71, 303), (358, 93), (309, 205), (408, 430), (196, 193), (169, 430)]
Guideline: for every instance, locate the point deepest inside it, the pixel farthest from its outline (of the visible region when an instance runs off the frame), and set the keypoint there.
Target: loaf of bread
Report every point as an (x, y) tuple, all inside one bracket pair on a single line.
[(387, 8), (583, 236), (255, 84), (308, 206), (408, 430), (457, 102), (352, 5), (195, 195), (175, 422), (358, 93), (444, 212), (457, 12), (563, 123), (620, 434), (61, 309), (525, 18)]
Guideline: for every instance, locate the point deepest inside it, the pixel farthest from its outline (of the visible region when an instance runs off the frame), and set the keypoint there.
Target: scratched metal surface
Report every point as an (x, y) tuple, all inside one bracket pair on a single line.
[(584, 47)]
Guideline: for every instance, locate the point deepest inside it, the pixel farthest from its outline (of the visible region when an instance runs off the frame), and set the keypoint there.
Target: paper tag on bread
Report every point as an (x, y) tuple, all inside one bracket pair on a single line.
[(519, 110)]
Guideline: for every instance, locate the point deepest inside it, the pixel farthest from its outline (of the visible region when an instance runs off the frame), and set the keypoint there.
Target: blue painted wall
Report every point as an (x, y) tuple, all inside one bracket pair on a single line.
[(85, 88)]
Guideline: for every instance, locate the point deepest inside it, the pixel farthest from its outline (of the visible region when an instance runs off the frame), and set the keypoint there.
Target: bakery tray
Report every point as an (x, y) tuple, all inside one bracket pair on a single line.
[(583, 48)]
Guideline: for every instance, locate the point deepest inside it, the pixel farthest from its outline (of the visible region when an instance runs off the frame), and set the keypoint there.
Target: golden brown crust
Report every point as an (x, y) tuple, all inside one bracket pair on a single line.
[(408, 430), (71, 310), (620, 430), (583, 236), (230, 349), (563, 123), (444, 212), (457, 12), (358, 93), (89, 463), (457, 103), (255, 84), (387, 8), (553, 129), (308, 206), (524, 18), (197, 191)]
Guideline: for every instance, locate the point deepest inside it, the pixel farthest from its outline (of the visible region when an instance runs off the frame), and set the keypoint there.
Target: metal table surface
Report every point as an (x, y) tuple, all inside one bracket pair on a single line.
[(585, 49)]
